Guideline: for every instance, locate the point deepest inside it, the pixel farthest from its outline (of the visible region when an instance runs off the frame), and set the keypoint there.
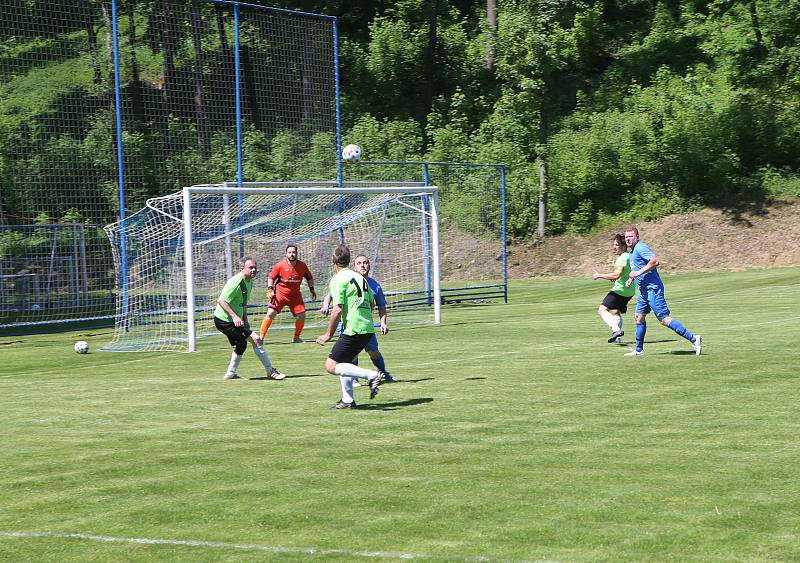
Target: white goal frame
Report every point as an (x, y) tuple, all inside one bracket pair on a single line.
[(293, 188)]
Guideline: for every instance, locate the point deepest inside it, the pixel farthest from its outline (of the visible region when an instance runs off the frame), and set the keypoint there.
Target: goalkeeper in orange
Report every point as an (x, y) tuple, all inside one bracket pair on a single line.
[(283, 290)]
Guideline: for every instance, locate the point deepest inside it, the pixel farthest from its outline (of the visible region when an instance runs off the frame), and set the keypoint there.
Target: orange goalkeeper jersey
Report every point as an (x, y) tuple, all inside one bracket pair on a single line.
[(287, 278)]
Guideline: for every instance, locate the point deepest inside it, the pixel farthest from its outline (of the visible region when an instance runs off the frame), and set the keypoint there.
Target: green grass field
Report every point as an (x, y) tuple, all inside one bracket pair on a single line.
[(517, 433)]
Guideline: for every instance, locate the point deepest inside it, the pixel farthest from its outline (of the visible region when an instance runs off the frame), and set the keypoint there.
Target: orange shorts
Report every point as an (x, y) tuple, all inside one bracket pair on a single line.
[(294, 302)]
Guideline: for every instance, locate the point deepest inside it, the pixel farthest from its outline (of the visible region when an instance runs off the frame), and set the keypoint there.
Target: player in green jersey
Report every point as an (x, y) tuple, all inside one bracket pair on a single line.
[(352, 302), (230, 318), (615, 304)]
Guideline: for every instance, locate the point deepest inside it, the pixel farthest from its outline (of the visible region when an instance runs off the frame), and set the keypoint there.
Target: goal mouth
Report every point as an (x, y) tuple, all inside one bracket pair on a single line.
[(182, 248)]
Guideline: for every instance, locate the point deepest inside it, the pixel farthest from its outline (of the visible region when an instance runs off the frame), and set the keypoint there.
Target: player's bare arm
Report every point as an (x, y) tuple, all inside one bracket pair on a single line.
[(384, 320), (237, 320), (613, 276), (651, 265), (326, 306), (336, 312), (310, 282)]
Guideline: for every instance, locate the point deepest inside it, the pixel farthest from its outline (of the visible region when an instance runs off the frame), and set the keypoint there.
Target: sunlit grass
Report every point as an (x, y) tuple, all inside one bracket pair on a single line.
[(516, 433)]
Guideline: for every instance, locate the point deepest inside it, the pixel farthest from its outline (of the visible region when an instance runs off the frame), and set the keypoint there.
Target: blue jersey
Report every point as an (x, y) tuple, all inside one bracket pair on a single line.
[(377, 291), (640, 256), (380, 301)]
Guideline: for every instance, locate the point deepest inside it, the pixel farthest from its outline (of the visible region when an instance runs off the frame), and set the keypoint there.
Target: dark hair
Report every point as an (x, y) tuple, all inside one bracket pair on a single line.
[(633, 230), (291, 245), (341, 255), (620, 239)]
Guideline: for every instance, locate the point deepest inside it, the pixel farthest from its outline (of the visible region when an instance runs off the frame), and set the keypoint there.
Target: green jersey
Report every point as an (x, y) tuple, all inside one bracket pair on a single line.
[(623, 261), (351, 290), (236, 293)]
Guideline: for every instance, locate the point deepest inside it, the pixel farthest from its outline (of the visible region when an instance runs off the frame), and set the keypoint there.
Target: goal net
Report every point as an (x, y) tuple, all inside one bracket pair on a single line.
[(182, 248)]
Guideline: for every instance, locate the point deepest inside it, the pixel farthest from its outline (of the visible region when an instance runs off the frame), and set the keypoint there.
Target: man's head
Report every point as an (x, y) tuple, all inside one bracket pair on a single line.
[(341, 256), (631, 236), (362, 265), (619, 244), (291, 253), (249, 268)]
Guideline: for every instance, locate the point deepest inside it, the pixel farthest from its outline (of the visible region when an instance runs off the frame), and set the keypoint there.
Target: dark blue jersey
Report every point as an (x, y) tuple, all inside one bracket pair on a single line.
[(377, 290)]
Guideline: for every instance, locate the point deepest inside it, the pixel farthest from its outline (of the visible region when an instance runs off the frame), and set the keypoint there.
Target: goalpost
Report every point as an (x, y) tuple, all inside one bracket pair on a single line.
[(183, 248)]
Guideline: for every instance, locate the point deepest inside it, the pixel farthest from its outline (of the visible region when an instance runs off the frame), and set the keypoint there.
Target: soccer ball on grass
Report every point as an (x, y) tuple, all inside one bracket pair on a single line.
[(81, 347), (351, 153)]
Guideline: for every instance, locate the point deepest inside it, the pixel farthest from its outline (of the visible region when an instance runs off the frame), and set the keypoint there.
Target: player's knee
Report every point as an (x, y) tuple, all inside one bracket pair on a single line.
[(665, 320), (601, 309), (374, 354), (330, 366), (640, 318)]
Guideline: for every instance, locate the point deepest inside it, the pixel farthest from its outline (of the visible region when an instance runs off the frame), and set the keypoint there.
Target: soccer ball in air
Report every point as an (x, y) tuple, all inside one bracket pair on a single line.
[(82, 347), (351, 153)]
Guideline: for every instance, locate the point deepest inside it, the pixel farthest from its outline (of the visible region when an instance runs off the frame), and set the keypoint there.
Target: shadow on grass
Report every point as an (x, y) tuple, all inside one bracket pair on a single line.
[(474, 378), (631, 343), (296, 376), (393, 406), (680, 353), (405, 380)]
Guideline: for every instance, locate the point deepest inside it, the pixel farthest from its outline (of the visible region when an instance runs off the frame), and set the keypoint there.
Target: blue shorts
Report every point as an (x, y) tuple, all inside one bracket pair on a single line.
[(651, 298)]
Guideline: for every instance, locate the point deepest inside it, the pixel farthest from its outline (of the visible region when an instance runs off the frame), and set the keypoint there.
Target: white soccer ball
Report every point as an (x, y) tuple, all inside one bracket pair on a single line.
[(82, 347), (351, 153)]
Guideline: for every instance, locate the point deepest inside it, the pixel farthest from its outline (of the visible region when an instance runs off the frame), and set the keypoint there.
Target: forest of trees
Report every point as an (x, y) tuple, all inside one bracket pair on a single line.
[(604, 110)]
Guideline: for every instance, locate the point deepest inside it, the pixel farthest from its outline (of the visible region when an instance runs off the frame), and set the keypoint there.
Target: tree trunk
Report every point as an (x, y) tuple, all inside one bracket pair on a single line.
[(168, 82), (542, 157), (137, 101), (199, 98), (760, 49), (250, 106), (430, 65), (3, 219), (91, 35), (105, 8), (223, 38), (491, 33)]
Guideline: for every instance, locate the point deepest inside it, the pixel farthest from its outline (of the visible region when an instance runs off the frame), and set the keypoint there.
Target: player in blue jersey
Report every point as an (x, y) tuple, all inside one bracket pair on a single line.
[(362, 266), (651, 294)]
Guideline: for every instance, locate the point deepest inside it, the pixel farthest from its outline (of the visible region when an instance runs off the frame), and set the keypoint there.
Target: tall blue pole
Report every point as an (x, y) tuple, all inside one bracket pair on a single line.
[(238, 87), (426, 243), (120, 163), (239, 151), (503, 230), (339, 171)]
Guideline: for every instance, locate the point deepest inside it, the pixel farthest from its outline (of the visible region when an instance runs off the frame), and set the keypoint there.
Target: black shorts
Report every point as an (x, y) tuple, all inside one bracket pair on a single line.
[(236, 334), (348, 347), (615, 301)]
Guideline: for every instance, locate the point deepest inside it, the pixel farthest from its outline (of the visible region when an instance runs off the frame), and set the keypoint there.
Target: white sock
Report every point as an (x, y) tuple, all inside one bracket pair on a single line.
[(234, 365), (355, 371), (264, 357), (619, 321), (347, 389), (608, 318)]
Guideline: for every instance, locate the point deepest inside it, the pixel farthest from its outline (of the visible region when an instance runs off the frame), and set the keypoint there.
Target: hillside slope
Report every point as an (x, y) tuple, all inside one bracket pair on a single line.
[(707, 240)]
